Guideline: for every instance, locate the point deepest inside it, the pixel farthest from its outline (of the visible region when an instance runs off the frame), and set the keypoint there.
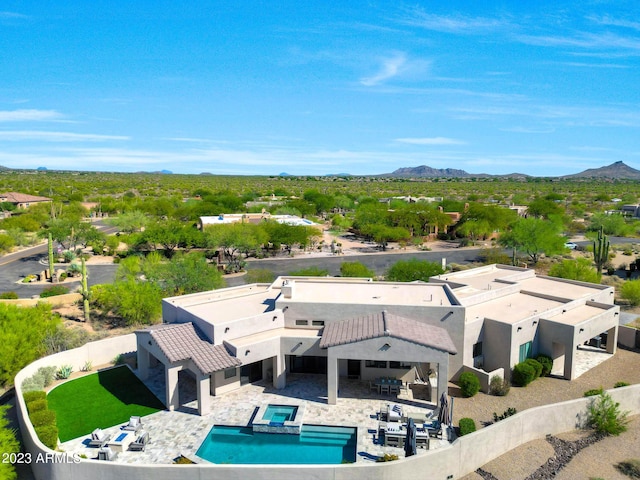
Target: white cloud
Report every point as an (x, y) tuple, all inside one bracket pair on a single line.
[(21, 135), (417, 17), (5, 15), (430, 141), (390, 68), (27, 115)]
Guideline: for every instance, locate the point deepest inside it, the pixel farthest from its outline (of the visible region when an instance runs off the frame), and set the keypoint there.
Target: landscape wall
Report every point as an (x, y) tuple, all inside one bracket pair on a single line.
[(463, 456)]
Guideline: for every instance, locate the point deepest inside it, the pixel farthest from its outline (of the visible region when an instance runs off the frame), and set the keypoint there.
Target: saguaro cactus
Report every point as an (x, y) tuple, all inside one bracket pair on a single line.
[(600, 250), (52, 266), (84, 290)]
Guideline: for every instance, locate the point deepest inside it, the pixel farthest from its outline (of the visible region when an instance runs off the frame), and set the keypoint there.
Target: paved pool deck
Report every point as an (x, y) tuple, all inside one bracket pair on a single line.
[(181, 432)]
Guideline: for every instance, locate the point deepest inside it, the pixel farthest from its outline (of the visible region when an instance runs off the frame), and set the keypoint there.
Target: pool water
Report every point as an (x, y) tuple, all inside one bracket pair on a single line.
[(280, 413), (315, 445)]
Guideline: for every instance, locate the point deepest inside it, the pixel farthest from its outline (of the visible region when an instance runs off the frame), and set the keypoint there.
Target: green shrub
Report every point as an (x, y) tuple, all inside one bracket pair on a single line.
[(547, 364), (467, 425), (523, 374), (536, 365), (621, 384), (34, 395), (53, 291), (9, 295), (630, 468), (498, 386), (507, 413), (604, 415), (48, 435), (593, 392), (37, 405), (43, 418), (469, 384)]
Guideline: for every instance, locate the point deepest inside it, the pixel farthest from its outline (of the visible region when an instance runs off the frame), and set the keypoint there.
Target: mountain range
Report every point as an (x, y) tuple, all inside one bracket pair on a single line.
[(617, 171)]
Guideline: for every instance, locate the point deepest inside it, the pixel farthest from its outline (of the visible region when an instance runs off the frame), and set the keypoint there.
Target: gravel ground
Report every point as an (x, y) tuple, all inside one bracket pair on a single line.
[(594, 461)]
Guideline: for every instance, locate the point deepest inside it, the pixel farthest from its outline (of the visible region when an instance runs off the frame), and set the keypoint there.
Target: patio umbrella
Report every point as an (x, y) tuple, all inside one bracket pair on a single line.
[(410, 439), (443, 416)]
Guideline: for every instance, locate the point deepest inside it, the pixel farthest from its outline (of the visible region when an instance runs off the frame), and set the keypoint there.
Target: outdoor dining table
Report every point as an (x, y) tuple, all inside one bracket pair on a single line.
[(383, 381)]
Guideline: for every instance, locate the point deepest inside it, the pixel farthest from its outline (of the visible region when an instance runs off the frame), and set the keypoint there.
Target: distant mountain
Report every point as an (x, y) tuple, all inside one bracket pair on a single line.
[(424, 171), (284, 174), (617, 170)]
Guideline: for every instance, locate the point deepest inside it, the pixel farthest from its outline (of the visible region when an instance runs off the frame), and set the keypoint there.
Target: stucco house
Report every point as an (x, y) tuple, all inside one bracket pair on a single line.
[(485, 319), (22, 200)]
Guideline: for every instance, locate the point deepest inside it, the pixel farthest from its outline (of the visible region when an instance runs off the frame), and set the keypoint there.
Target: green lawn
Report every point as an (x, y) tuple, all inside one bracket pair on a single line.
[(100, 400)]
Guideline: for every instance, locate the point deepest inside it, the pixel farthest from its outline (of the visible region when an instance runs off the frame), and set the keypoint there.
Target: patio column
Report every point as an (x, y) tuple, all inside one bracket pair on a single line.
[(279, 371), (332, 378), (171, 385), (443, 379), (143, 362), (204, 399), (612, 340), (569, 360)]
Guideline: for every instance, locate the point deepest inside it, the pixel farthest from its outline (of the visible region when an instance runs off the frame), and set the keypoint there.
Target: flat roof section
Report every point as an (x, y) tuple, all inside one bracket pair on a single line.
[(233, 308), (275, 333), (578, 315), (512, 308), (560, 288), (370, 293)]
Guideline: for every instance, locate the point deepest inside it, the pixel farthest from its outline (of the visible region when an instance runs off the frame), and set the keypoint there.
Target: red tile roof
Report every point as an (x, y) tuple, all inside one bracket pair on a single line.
[(386, 325), (183, 341), (15, 197)]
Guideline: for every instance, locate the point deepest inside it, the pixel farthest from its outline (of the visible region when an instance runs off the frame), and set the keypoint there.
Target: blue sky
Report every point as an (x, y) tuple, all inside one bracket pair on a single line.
[(261, 87)]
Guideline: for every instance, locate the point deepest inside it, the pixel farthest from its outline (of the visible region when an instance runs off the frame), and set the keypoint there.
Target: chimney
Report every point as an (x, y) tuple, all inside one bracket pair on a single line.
[(384, 323), (287, 288)]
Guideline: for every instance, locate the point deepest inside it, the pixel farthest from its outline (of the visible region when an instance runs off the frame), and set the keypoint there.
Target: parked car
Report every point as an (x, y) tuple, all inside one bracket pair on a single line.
[(571, 245)]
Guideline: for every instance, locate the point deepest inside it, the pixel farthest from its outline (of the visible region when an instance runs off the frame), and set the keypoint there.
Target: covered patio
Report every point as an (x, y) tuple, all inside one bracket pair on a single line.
[(385, 337)]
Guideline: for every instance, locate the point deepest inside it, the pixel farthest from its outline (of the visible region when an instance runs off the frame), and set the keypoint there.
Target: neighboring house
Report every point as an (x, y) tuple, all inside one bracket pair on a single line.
[(224, 218), (630, 210), (22, 200), (485, 319)]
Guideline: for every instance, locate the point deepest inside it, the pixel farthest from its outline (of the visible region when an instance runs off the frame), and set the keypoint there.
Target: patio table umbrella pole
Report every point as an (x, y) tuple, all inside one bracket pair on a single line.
[(444, 416)]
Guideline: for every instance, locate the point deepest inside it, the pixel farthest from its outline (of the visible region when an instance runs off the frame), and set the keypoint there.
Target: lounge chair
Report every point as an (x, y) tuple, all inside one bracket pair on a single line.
[(140, 443), (105, 453), (394, 413), (433, 414), (134, 425), (99, 438)]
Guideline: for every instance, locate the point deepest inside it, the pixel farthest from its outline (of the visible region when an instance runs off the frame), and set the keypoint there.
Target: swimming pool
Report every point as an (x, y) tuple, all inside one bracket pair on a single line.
[(316, 444)]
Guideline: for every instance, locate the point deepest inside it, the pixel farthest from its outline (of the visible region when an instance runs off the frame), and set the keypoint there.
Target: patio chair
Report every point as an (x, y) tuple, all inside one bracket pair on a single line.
[(434, 428), (140, 443), (99, 438), (373, 386), (384, 388), (134, 425), (105, 453), (394, 389)]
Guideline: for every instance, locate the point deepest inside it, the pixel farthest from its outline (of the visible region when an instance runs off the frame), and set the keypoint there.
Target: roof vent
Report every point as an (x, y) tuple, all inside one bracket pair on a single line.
[(287, 288), (384, 323)]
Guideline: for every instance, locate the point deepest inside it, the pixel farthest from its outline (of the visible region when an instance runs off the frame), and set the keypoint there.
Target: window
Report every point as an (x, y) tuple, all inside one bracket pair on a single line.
[(399, 365), (318, 323), (477, 349), (302, 322), (230, 373), (375, 364), (525, 351)]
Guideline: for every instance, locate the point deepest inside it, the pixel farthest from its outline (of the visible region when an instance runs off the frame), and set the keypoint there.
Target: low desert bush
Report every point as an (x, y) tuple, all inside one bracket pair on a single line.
[(387, 457), (48, 435), (43, 418), (621, 384), (537, 366), (593, 392), (498, 386), (37, 405), (547, 364), (469, 384), (53, 291), (467, 425), (630, 468), (604, 415), (9, 295), (523, 374), (34, 395), (507, 413)]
